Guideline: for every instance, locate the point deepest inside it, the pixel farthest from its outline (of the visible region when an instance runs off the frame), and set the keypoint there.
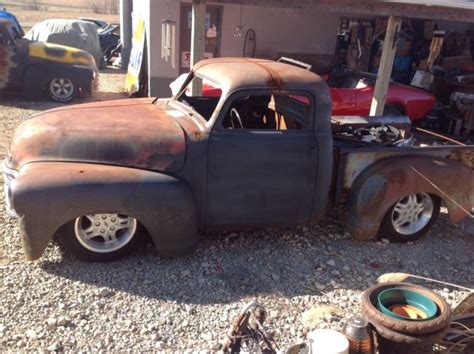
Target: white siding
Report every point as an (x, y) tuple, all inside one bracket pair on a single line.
[(277, 30)]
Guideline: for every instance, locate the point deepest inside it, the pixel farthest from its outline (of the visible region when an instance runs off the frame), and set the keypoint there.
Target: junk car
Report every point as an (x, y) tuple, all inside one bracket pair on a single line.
[(264, 152), (37, 68), (78, 34), (352, 94)]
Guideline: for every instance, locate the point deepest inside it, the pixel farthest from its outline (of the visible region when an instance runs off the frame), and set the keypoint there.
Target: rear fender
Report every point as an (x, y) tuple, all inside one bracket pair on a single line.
[(47, 195), (382, 184), (38, 75)]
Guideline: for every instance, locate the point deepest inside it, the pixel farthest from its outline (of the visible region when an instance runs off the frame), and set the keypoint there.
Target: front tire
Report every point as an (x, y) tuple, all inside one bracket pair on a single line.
[(410, 217), (62, 89), (100, 237)]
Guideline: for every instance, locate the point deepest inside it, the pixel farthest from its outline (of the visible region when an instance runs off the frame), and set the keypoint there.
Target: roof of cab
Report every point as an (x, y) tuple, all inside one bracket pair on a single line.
[(237, 73)]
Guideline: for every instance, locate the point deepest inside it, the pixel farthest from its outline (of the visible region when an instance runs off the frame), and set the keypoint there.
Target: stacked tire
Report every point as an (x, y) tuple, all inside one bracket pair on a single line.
[(400, 336)]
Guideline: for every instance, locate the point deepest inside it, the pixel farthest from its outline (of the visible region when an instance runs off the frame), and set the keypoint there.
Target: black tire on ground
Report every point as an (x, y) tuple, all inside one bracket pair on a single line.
[(392, 111), (393, 342), (387, 229), (62, 89), (411, 328), (66, 237)]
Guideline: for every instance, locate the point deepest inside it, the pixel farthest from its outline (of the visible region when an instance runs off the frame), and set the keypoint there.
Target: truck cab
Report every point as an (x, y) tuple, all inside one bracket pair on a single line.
[(262, 123)]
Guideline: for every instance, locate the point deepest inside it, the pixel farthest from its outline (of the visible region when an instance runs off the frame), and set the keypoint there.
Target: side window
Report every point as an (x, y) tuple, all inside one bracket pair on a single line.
[(275, 111)]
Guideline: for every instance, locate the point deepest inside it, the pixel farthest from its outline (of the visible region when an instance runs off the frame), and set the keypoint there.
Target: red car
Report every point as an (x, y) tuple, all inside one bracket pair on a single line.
[(352, 94)]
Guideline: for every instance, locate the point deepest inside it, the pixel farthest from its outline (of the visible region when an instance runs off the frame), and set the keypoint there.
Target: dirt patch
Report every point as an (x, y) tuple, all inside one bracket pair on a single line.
[(53, 9)]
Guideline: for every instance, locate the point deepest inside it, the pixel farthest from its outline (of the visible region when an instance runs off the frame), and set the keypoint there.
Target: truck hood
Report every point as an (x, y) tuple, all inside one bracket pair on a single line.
[(130, 132)]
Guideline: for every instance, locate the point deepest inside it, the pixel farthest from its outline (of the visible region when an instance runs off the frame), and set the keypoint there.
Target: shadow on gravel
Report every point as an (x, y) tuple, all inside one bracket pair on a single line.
[(285, 262)]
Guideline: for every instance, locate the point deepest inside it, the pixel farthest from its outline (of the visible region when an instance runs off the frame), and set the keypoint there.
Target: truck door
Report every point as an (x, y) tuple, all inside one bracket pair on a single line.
[(262, 160)]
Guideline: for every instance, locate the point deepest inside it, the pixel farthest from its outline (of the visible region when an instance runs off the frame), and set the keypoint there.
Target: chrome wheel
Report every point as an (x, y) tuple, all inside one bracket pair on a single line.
[(412, 213), (105, 233), (61, 88)]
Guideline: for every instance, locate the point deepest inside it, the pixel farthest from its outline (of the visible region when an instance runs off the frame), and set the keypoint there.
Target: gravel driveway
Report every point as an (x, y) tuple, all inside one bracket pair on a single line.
[(148, 303)]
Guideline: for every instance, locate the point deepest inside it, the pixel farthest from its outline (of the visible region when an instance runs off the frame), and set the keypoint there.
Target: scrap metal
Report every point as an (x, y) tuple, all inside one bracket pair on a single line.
[(247, 332)]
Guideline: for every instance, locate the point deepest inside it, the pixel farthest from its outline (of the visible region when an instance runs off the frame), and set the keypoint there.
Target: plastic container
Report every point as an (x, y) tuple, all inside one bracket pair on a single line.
[(404, 304), (328, 341)]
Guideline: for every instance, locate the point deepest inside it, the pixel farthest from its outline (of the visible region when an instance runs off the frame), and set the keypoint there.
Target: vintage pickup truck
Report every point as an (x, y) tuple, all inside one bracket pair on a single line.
[(263, 153)]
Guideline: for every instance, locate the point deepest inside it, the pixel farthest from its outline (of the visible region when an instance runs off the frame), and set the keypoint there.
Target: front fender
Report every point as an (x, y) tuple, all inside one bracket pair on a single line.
[(46, 195), (382, 184)]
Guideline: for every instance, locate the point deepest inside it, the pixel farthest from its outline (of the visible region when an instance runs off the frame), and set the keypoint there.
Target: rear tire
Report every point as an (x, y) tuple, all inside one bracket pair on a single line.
[(410, 217), (100, 237), (62, 89)]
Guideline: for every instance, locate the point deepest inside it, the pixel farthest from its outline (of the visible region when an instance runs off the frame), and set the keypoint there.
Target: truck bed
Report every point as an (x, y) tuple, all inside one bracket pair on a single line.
[(352, 155)]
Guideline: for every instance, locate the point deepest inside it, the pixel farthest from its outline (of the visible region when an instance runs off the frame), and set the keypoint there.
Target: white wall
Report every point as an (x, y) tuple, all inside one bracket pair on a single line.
[(280, 30), (277, 30)]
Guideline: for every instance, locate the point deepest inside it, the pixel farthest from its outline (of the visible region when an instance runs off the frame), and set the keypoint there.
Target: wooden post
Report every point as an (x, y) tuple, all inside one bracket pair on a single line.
[(385, 67), (198, 30), (126, 7)]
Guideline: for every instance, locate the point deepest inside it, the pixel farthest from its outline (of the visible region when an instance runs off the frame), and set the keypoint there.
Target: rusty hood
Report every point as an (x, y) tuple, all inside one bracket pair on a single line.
[(129, 132)]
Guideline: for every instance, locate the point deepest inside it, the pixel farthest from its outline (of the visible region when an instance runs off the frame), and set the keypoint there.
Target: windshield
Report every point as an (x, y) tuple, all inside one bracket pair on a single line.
[(201, 95)]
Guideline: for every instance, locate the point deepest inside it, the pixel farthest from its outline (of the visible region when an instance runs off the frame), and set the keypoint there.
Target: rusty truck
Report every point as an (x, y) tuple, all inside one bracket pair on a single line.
[(264, 151)]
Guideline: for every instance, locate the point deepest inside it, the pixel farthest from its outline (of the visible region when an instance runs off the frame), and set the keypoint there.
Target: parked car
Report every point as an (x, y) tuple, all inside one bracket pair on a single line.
[(72, 33), (352, 94), (109, 37), (37, 68), (264, 153)]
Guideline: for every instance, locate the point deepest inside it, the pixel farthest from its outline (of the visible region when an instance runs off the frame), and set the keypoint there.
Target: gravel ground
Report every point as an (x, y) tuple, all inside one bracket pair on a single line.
[(146, 303)]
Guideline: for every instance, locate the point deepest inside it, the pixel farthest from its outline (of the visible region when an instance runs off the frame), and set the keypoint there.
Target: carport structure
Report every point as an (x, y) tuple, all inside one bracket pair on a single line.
[(455, 10)]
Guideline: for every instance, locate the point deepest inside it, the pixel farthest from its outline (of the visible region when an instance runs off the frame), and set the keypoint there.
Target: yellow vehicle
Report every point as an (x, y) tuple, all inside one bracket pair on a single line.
[(38, 68)]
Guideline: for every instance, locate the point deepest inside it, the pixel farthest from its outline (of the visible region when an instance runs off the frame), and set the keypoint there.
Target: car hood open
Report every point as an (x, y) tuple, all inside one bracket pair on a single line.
[(129, 132)]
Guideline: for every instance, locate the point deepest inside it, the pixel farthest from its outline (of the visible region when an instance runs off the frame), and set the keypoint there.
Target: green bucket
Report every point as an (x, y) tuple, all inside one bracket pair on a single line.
[(407, 305)]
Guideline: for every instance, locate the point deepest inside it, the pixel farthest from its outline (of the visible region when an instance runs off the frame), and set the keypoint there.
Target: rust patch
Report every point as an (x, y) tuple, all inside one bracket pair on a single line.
[(133, 133), (378, 187), (466, 156)]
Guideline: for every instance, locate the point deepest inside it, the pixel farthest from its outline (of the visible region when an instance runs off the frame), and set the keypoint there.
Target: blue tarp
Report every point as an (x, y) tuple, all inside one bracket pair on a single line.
[(9, 16)]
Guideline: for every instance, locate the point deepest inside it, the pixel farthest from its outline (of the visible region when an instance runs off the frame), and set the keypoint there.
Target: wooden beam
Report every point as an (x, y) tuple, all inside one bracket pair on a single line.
[(198, 29), (451, 11), (385, 67)]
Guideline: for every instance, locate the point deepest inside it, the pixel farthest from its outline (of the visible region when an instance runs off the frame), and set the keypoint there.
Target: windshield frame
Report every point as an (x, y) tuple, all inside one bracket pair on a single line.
[(190, 110)]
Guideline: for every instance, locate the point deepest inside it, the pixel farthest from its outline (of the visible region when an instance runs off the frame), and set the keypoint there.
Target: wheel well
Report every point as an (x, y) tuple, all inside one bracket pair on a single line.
[(397, 106), (144, 233)]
